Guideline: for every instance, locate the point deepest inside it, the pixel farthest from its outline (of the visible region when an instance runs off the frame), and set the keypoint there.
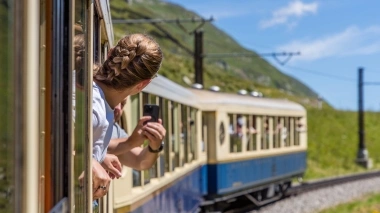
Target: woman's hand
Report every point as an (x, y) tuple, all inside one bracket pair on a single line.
[(112, 164), (100, 180), (155, 133)]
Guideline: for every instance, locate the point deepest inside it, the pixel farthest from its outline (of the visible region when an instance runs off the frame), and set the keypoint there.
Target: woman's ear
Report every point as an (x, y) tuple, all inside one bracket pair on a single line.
[(140, 86)]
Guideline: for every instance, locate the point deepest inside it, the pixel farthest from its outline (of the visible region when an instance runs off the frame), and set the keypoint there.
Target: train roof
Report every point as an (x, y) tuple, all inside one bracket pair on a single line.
[(170, 90), (214, 100)]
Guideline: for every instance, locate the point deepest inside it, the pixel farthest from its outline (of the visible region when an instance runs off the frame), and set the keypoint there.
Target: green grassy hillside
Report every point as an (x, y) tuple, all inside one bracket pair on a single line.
[(333, 142), (231, 74)]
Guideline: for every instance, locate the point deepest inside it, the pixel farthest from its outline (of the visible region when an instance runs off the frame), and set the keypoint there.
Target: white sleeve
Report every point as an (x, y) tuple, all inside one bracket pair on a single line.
[(99, 127)]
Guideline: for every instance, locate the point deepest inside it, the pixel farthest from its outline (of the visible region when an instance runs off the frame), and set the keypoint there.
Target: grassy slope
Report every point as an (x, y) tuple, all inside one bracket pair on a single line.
[(231, 74), (333, 142)]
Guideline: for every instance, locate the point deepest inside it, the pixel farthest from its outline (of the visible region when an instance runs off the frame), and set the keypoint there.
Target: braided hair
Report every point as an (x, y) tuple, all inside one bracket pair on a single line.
[(135, 58)]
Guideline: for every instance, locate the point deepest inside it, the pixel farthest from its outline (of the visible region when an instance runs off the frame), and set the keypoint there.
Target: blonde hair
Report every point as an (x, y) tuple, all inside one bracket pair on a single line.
[(135, 58)]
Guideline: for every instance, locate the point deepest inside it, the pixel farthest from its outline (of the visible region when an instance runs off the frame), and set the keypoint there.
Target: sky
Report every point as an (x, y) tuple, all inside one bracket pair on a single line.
[(334, 37)]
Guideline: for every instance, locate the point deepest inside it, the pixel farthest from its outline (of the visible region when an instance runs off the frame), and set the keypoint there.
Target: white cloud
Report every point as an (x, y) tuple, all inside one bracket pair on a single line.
[(294, 10), (352, 41)]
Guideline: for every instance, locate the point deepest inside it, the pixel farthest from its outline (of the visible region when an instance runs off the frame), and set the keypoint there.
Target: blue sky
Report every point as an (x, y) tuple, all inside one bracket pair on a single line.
[(335, 38)]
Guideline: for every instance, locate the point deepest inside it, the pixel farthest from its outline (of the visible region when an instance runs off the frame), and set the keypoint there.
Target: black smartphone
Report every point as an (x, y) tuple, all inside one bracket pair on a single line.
[(153, 111)]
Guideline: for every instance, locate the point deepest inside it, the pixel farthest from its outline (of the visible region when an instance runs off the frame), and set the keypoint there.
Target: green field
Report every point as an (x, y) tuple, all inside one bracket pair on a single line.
[(333, 142), (368, 204)]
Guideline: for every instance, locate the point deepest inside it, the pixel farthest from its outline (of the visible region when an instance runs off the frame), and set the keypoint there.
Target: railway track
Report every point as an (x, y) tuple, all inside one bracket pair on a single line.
[(323, 183), (310, 186)]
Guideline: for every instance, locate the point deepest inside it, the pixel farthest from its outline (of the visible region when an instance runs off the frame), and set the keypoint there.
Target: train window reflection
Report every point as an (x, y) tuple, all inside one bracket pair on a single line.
[(7, 133), (80, 106)]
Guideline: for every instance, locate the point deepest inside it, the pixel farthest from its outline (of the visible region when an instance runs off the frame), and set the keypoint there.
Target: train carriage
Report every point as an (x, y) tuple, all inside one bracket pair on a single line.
[(174, 183), (255, 146)]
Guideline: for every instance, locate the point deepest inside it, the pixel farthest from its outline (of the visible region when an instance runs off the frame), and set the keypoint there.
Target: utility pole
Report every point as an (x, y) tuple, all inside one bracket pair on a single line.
[(362, 155), (198, 52)]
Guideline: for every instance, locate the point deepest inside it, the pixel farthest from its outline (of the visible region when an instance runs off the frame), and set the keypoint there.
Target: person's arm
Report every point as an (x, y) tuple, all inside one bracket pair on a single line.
[(123, 145), (141, 158), (138, 158)]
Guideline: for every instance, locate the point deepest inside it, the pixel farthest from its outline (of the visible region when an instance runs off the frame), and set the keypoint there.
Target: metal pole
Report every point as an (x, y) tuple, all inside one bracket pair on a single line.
[(362, 155), (198, 59), (361, 111)]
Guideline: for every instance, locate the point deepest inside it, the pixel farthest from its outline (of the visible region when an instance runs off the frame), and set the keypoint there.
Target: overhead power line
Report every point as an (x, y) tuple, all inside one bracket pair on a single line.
[(323, 74), (274, 55), (157, 20)]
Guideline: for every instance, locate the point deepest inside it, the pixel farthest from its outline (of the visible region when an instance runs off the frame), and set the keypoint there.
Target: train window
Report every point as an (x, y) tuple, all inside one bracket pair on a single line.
[(277, 132), (166, 119), (273, 131), (251, 133), (162, 157), (193, 133), (104, 51), (135, 107), (175, 111), (291, 131), (236, 132), (8, 164), (298, 130), (185, 133), (231, 131), (145, 98), (97, 56), (265, 132), (80, 92), (286, 131), (204, 134)]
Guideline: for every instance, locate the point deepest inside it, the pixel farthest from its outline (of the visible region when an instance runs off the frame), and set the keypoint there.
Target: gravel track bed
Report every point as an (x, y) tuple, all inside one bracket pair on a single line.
[(317, 200)]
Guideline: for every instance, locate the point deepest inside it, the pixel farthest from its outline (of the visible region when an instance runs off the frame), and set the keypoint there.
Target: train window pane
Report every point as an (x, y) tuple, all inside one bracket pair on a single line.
[(7, 95), (145, 98), (251, 133), (175, 135), (193, 133), (286, 131), (135, 108), (161, 159), (291, 131), (80, 112), (298, 131), (204, 134), (184, 135), (265, 133), (166, 122), (231, 131), (276, 132), (236, 133)]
